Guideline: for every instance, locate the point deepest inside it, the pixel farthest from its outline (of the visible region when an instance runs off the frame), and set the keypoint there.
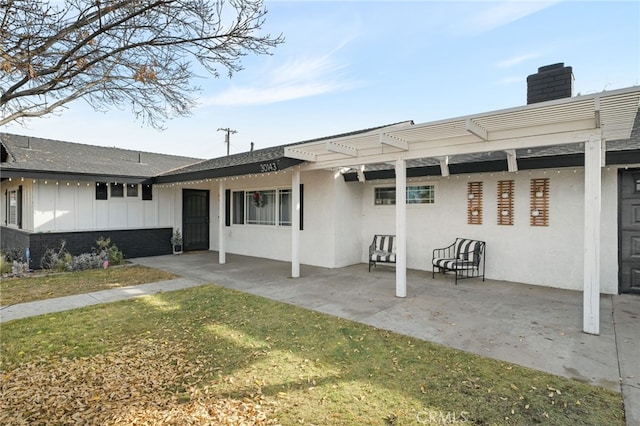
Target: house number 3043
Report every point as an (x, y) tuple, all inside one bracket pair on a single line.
[(268, 167)]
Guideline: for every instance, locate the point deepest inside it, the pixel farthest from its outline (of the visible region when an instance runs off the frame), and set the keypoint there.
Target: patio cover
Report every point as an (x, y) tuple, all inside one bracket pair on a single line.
[(591, 120)]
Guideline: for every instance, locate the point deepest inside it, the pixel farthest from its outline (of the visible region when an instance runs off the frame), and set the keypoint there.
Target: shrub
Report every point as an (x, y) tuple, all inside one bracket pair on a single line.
[(5, 267), (15, 254), (53, 260), (107, 250), (85, 261)]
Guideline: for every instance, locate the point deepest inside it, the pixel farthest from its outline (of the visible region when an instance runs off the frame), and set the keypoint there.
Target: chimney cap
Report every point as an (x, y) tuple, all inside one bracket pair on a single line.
[(551, 67)]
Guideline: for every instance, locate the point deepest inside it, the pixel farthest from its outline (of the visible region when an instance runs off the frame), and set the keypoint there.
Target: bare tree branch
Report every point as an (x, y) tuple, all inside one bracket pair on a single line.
[(121, 53)]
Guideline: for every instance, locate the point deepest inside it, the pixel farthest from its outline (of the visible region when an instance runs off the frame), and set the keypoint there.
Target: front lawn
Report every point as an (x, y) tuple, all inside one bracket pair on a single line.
[(210, 355), (40, 285)]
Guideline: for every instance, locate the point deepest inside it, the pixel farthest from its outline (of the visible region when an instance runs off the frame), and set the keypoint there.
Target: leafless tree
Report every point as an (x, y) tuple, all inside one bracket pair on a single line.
[(120, 53)]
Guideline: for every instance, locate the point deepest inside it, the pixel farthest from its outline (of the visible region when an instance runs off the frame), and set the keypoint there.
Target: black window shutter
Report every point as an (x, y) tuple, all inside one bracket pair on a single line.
[(301, 207), (227, 207), (20, 207)]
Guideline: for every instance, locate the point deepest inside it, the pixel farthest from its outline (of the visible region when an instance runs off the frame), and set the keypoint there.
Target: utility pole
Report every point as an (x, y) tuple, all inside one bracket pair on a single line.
[(226, 137)]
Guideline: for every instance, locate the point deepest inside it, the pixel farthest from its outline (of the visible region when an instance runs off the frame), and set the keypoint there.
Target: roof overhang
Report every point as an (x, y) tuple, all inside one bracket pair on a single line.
[(262, 167), (15, 173), (606, 115)]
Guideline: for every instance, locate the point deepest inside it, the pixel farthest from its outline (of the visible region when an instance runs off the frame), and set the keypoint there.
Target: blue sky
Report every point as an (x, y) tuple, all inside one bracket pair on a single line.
[(350, 65)]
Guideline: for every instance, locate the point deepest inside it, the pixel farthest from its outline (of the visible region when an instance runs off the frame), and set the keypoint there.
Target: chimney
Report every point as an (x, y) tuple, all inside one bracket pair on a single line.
[(549, 83)]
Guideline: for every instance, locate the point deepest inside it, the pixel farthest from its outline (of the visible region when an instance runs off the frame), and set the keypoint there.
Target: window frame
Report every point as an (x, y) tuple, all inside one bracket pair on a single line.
[(14, 210), (410, 200), (243, 199)]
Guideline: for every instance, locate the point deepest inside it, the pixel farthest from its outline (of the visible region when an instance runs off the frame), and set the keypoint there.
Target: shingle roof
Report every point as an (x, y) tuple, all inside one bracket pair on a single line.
[(249, 162), (44, 155)]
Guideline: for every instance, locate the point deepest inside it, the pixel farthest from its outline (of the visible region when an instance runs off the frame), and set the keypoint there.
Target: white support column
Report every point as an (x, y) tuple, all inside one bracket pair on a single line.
[(592, 207), (222, 254), (295, 224), (401, 228)]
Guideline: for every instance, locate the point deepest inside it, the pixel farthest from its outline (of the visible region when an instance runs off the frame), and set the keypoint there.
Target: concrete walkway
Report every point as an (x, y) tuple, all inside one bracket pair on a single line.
[(536, 327)]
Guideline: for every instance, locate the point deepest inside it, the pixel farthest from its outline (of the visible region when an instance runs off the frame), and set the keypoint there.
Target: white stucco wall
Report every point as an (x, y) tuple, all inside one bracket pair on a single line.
[(549, 256)]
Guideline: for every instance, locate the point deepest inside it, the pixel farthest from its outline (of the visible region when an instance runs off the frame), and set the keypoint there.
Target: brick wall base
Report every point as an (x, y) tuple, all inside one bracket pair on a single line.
[(132, 242)]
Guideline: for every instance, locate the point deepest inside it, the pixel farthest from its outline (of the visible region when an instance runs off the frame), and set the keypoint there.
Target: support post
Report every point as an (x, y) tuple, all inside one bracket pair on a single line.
[(295, 224), (222, 254), (592, 211), (401, 228)]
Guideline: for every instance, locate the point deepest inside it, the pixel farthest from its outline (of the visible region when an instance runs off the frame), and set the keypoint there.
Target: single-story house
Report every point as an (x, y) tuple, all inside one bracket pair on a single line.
[(551, 187)]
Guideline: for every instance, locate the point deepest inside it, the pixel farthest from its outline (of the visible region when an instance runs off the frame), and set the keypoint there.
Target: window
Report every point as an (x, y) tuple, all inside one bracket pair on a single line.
[(284, 207), (117, 190), (14, 207), (261, 207), (416, 194), (147, 193), (425, 194), (385, 196), (238, 207), (132, 190), (101, 190)]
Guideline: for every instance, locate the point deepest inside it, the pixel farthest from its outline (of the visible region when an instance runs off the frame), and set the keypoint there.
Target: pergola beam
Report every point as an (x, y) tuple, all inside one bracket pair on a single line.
[(393, 141), (341, 149), (299, 154), (512, 160), (444, 165), (474, 128)]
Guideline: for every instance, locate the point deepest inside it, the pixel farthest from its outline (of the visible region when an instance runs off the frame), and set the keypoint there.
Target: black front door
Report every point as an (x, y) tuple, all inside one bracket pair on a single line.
[(629, 253), (195, 219)]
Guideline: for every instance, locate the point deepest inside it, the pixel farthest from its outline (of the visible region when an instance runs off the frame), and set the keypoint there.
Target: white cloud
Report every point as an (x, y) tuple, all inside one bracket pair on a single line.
[(296, 78), (498, 15), (516, 60)]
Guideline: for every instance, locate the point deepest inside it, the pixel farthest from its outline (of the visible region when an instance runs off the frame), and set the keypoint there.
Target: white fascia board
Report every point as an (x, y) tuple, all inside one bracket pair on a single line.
[(299, 154), (394, 141), (474, 128), (341, 149)]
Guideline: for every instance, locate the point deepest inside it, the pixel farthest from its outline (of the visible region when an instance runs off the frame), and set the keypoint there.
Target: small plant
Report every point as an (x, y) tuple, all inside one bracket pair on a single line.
[(85, 261), (13, 261), (5, 267), (56, 259), (108, 251), (176, 241), (176, 238)]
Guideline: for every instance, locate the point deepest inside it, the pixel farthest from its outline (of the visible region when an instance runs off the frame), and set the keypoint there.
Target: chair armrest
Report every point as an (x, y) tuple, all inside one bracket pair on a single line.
[(444, 253)]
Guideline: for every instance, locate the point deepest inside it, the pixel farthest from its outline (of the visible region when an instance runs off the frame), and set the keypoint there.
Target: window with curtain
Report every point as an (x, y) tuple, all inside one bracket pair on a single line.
[(260, 207), (13, 207)]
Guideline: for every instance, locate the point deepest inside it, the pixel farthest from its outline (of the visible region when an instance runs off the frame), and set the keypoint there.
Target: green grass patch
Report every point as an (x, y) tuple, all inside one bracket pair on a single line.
[(303, 366), (40, 286)]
